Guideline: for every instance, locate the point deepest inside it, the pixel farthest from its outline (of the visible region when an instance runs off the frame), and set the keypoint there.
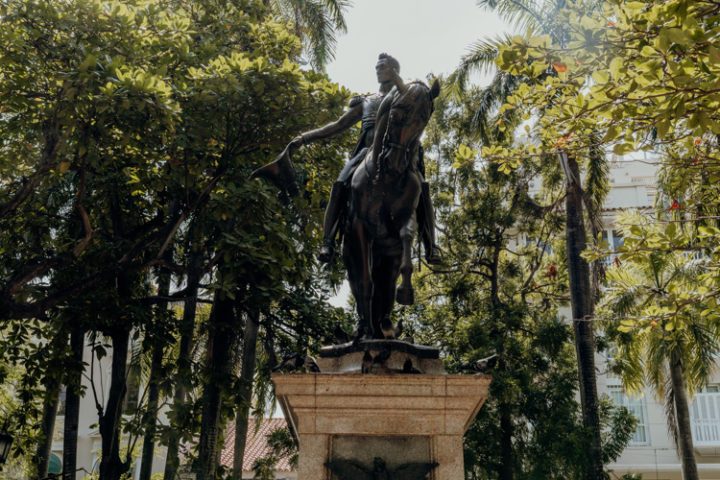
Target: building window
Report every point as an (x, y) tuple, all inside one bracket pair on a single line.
[(705, 416), (636, 406), (614, 240)]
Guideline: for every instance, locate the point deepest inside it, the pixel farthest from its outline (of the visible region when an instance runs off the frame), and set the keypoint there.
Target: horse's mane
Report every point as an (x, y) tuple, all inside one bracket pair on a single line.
[(417, 82)]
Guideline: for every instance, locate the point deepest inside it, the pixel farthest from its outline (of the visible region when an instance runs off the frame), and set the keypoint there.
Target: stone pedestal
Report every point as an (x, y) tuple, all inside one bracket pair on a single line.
[(398, 417)]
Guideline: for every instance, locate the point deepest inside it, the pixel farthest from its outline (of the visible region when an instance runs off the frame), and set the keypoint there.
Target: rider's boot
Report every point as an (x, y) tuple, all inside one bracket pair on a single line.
[(426, 222), (333, 213)]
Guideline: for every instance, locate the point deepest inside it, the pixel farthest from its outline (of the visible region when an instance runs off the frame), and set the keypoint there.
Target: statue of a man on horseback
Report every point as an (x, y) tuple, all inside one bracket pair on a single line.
[(364, 108), (380, 199)]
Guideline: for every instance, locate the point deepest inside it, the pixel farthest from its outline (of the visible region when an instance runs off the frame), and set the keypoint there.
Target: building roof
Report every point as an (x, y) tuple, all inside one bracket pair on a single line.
[(256, 446)]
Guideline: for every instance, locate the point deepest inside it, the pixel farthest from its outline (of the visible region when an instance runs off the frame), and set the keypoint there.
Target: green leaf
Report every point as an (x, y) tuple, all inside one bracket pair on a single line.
[(601, 76), (714, 55), (663, 127), (616, 66), (623, 148), (648, 51), (677, 35)]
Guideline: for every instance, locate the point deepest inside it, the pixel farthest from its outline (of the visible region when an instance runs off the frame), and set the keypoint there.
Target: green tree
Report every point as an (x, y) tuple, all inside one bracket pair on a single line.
[(659, 311), (494, 308), (316, 23), (138, 136), (630, 76), (497, 122)]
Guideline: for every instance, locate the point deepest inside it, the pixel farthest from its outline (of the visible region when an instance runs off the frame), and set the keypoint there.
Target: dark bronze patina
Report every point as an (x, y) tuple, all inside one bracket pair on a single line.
[(380, 197), (352, 470)]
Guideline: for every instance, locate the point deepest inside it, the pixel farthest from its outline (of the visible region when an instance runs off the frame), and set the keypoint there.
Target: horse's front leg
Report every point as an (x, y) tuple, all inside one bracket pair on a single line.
[(405, 292)]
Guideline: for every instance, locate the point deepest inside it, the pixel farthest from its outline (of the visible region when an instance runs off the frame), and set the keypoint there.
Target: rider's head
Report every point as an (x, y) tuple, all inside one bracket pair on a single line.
[(384, 67)]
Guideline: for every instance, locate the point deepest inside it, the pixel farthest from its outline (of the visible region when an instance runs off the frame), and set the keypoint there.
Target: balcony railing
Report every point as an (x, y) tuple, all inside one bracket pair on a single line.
[(705, 419)]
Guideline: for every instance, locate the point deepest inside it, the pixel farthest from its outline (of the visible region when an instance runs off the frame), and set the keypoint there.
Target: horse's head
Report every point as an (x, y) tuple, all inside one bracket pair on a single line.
[(405, 115)]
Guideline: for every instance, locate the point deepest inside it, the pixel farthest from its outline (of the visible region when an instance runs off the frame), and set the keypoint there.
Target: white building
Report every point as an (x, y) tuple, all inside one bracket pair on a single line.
[(651, 451)]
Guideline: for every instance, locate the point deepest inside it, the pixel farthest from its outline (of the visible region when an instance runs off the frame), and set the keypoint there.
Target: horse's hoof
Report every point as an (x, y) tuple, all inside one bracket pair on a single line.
[(388, 330), (405, 296)]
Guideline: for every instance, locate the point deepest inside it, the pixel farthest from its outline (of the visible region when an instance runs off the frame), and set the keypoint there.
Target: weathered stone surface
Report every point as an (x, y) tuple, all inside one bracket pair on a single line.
[(326, 408)]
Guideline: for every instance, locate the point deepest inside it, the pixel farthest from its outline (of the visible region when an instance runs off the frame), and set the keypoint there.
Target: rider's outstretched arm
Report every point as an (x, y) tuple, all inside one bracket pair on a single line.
[(347, 120)]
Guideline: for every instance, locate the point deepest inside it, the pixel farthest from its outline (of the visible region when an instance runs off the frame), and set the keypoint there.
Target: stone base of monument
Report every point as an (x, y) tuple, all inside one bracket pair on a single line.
[(380, 409)]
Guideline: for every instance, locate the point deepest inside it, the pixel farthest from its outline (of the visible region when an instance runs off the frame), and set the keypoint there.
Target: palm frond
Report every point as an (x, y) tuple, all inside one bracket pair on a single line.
[(480, 58), (492, 97), (597, 184), (522, 13), (700, 363), (689, 268), (624, 294), (628, 363), (656, 362), (670, 414), (336, 10), (318, 29), (315, 22), (489, 101)]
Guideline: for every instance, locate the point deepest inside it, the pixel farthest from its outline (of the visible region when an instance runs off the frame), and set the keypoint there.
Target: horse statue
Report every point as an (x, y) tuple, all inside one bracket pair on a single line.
[(381, 223)]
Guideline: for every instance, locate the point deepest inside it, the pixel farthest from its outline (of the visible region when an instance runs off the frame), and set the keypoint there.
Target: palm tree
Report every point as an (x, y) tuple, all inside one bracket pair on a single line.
[(666, 336), (315, 23)]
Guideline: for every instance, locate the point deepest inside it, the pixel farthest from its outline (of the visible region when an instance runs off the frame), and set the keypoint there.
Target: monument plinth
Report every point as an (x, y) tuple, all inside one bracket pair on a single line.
[(392, 416)]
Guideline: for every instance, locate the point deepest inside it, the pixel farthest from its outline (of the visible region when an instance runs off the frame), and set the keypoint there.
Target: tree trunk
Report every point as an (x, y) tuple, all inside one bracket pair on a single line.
[(47, 428), (50, 409), (245, 391), (506, 447), (218, 369), (184, 362), (150, 417), (581, 300), (111, 466), (682, 417), (72, 403), (498, 334)]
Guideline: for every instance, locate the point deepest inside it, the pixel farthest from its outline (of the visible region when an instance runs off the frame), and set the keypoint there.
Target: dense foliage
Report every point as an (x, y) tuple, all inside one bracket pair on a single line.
[(628, 76), (129, 130), (129, 224)]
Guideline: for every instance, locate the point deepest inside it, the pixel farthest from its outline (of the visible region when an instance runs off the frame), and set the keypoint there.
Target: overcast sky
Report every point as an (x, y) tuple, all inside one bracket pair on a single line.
[(426, 36)]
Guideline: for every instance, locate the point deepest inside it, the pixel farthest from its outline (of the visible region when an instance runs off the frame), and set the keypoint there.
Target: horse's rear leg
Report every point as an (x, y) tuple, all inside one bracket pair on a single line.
[(405, 292), (385, 273), (359, 262)]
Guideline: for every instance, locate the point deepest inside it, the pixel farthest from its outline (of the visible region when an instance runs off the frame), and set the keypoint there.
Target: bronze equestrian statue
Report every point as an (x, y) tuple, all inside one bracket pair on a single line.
[(380, 197), (364, 108)]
